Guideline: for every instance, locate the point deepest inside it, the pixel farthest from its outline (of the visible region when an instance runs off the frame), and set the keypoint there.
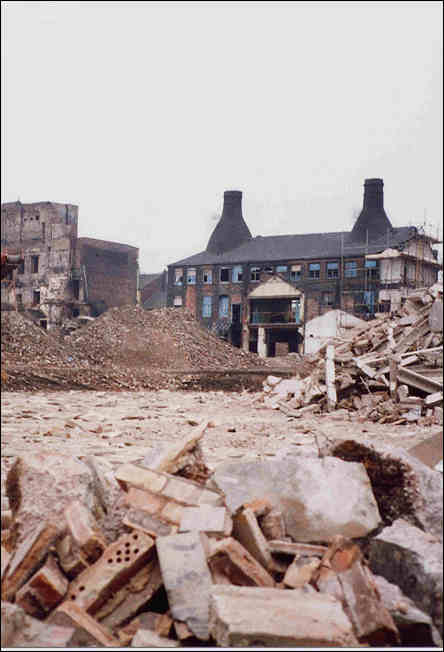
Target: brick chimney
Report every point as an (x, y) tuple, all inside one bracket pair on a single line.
[(231, 231), (372, 220)]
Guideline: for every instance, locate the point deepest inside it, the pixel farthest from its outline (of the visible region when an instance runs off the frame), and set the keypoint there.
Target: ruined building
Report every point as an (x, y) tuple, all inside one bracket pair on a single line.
[(259, 292), (61, 275)]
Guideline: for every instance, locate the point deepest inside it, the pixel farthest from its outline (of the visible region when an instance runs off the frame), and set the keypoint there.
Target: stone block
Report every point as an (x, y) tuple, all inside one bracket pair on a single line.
[(264, 617), (88, 632), (145, 638), (206, 518), (187, 579), (308, 491), (84, 531), (247, 531), (43, 483), (132, 597), (120, 561), (43, 592), (229, 559), (416, 628), (29, 555), (411, 559)]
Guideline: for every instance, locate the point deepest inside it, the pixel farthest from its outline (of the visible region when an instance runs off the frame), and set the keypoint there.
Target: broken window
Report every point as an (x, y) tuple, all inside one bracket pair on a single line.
[(384, 305), (76, 288), (206, 306), (36, 297), (177, 302), (328, 298), (332, 270), (314, 270), (236, 312), (224, 274), (295, 272), (207, 276), (351, 269), (21, 267), (34, 264), (255, 273), (237, 274), (296, 310), (281, 269), (223, 306), (371, 268), (191, 276), (268, 269), (44, 324), (178, 276)]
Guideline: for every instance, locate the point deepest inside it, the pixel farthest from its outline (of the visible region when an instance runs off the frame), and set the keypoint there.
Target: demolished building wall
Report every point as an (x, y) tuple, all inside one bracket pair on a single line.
[(52, 285)]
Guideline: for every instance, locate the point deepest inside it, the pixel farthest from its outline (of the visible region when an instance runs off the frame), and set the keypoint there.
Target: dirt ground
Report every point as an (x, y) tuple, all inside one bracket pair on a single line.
[(125, 426)]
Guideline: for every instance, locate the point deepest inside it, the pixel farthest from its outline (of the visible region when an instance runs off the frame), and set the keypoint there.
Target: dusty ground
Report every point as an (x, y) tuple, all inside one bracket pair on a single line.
[(124, 426)]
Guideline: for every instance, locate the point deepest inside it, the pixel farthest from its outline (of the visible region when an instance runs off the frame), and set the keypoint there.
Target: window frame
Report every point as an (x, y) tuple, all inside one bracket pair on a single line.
[(178, 280), (191, 277), (333, 270), (207, 276), (207, 306), (35, 261), (224, 314), (177, 301), (314, 272), (237, 278), (351, 269), (227, 270), (255, 274)]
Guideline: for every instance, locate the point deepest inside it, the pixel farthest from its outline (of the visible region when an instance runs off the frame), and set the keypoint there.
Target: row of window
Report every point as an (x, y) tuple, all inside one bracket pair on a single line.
[(294, 272), (207, 305)]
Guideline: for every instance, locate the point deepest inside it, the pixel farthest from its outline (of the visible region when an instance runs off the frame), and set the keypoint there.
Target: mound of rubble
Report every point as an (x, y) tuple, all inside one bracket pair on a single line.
[(124, 348), (168, 553), (390, 371)]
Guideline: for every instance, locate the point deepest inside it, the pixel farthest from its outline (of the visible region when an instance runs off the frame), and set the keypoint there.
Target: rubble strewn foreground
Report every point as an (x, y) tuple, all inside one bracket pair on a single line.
[(390, 371), (168, 552)]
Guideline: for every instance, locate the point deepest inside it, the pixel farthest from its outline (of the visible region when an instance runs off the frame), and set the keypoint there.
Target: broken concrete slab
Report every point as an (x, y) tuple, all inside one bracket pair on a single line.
[(308, 491), (259, 617), (416, 628), (187, 579), (411, 559), (42, 483)]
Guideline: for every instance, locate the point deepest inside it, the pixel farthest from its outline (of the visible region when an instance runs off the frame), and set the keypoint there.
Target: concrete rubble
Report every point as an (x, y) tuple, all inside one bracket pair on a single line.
[(258, 554), (389, 371)]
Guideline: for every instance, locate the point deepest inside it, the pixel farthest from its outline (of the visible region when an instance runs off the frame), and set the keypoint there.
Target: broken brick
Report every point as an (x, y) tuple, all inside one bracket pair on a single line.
[(272, 525), (230, 559), (300, 571), (84, 531), (206, 518), (70, 557), (120, 561), (247, 531), (27, 558), (88, 631), (138, 519), (43, 592)]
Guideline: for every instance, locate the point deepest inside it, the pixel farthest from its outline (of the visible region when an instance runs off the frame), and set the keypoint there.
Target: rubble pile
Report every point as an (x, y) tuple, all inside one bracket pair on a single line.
[(390, 371), (125, 348), (252, 554)]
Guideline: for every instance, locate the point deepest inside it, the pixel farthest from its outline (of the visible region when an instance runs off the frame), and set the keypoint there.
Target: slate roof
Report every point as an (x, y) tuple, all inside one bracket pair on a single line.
[(308, 246)]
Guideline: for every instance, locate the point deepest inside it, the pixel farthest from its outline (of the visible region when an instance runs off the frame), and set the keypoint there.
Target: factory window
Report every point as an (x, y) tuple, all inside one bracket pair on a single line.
[(36, 297), (332, 270), (351, 269), (178, 276), (224, 274), (21, 267), (177, 302), (207, 276), (295, 272), (314, 270), (206, 306), (268, 269), (371, 268), (191, 276), (281, 269), (34, 264), (223, 306), (328, 298), (255, 273), (237, 274)]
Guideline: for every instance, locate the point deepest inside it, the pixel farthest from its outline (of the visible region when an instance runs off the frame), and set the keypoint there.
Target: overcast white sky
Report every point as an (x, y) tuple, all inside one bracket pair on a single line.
[(143, 113)]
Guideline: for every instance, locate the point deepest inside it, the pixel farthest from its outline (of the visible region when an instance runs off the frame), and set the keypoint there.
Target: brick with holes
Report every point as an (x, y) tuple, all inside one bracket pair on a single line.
[(118, 564)]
